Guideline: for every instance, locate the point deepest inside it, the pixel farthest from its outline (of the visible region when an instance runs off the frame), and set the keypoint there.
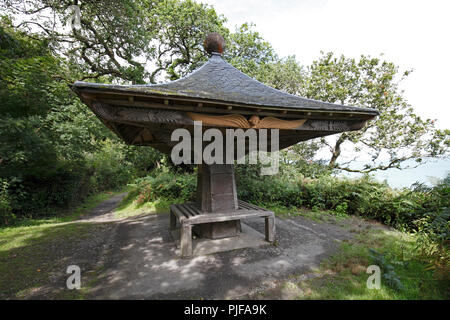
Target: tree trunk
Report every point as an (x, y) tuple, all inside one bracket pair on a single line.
[(336, 151)]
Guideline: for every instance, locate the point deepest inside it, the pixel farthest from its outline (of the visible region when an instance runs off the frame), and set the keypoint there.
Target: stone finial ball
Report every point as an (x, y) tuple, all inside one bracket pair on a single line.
[(214, 42)]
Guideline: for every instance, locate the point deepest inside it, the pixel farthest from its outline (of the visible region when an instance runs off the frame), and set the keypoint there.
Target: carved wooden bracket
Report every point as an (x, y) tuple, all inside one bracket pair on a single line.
[(239, 121)]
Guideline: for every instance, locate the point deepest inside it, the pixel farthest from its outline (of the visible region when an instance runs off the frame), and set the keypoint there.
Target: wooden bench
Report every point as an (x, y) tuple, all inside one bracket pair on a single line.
[(188, 214)]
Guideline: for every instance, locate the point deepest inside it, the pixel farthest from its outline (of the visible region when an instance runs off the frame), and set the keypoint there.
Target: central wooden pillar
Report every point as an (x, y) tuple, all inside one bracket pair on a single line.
[(216, 192)]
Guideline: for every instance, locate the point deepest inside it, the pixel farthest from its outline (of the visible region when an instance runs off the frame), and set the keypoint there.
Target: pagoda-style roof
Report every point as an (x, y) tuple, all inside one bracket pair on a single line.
[(220, 96), (218, 81)]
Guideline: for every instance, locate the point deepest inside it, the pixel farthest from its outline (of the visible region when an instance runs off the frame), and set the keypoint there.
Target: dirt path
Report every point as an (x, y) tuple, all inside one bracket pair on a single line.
[(104, 212), (135, 258)]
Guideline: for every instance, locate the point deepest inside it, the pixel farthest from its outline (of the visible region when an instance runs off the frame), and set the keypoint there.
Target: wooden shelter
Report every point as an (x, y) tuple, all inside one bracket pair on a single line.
[(220, 96)]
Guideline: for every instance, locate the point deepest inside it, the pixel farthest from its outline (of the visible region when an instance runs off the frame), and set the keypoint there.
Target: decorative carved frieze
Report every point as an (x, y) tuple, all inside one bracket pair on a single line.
[(140, 115), (130, 122), (239, 121)]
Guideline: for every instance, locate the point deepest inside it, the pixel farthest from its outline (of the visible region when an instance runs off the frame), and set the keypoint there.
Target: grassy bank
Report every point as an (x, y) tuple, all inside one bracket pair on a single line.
[(405, 274)]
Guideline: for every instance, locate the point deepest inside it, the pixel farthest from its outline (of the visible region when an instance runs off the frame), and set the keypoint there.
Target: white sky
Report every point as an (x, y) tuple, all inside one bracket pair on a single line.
[(412, 34)]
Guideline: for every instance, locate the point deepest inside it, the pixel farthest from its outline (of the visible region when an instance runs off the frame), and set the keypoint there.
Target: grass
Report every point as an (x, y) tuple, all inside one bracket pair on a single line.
[(316, 215), (29, 255), (278, 209), (62, 216), (343, 276), (130, 207), (24, 231), (27, 247)]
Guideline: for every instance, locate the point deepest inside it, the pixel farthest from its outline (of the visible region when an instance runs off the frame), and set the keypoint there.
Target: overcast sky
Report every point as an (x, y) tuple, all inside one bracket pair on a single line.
[(412, 34)]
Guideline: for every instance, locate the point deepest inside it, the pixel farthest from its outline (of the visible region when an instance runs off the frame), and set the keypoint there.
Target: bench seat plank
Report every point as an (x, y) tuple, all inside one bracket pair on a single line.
[(188, 214)]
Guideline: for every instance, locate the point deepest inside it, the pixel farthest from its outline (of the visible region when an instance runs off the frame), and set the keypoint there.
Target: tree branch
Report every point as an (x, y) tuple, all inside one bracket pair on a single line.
[(395, 163)]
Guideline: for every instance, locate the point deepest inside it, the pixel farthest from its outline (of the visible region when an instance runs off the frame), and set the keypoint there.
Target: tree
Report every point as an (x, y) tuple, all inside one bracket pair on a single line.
[(51, 144), (247, 50), (396, 135), (26, 92), (120, 39), (111, 38), (137, 41), (182, 26), (285, 74)]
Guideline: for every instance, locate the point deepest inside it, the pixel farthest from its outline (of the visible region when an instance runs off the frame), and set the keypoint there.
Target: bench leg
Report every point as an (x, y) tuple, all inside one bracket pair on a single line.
[(186, 241), (270, 229), (172, 220), (239, 226)]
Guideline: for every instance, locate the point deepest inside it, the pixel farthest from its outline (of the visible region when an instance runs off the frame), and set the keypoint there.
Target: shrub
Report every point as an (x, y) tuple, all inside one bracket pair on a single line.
[(403, 209), (165, 185), (65, 183), (419, 209)]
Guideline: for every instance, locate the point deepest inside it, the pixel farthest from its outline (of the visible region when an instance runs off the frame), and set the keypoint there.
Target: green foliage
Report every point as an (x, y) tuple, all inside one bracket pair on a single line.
[(253, 187), (433, 227), (299, 159), (285, 74), (412, 210), (403, 276), (247, 51), (168, 34), (6, 215), (182, 27), (397, 134), (388, 274), (53, 150), (407, 209), (117, 39), (27, 71), (108, 167), (164, 185), (110, 32), (435, 222), (27, 93)]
